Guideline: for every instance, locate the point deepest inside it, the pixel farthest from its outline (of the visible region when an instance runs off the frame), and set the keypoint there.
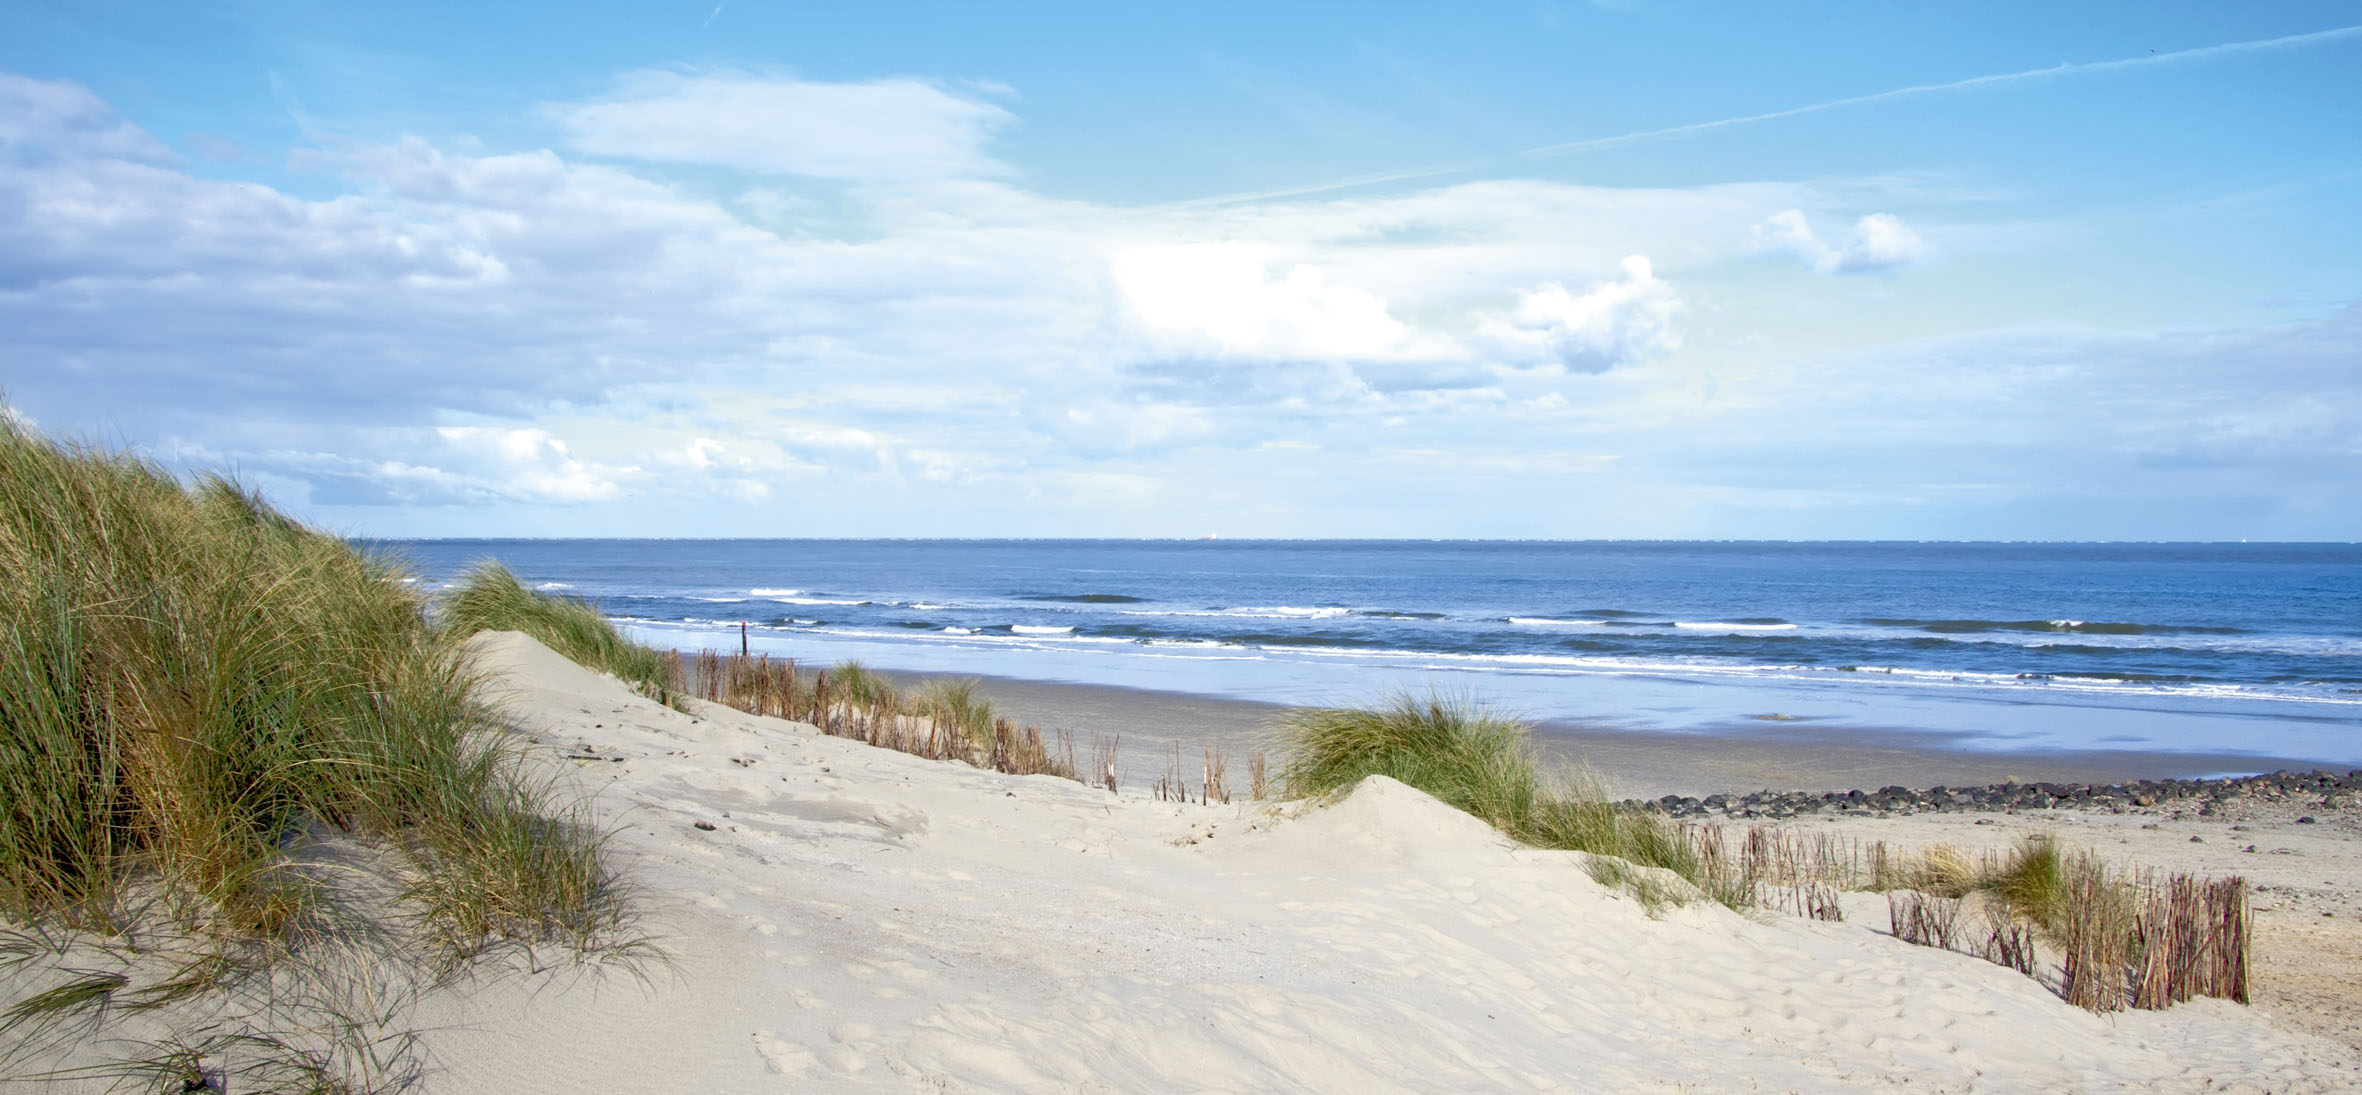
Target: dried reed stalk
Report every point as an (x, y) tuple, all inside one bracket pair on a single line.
[(1170, 786), (1217, 788), (1923, 919), (1103, 759), (2098, 936), (2008, 943), (2227, 919)]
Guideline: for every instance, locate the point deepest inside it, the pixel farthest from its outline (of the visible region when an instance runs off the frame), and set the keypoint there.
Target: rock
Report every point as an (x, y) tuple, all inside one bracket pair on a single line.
[(706, 825)]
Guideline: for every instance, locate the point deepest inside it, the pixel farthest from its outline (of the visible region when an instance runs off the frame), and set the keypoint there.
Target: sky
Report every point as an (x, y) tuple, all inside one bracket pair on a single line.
[(1499, 270)]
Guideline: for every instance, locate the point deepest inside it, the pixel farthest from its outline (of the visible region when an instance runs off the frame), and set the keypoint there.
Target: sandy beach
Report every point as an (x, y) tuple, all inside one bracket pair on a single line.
[(823, 915), (839, 917), (1735, 758)]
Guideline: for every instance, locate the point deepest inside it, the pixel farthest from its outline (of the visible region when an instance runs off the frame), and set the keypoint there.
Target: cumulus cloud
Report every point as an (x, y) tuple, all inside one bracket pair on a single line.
[(898, 130), (1225, 299), (1881, 243), (531, 465), (62, 119), (1619, 321), (519, 330)]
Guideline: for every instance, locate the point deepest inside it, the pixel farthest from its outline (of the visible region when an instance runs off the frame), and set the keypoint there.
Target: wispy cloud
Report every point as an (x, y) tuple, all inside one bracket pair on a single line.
[(2072, 68), (1693, 129), (1881, 243), (890, 130), (467, 341)]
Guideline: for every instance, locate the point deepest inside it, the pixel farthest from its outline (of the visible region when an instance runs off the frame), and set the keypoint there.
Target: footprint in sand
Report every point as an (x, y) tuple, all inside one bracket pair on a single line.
[(850, 1054), (783, 1057)]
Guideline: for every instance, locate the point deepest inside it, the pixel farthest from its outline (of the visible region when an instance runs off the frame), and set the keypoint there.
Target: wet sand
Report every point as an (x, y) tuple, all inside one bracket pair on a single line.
[(1731, 758)]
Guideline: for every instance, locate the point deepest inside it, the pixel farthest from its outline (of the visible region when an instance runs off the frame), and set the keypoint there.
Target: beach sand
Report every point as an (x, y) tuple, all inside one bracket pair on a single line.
[(860, 919), (835, 917), (1750, 755)]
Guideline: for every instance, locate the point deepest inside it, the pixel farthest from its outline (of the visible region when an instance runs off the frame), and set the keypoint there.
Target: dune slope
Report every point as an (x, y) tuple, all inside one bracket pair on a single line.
[(860, 919)]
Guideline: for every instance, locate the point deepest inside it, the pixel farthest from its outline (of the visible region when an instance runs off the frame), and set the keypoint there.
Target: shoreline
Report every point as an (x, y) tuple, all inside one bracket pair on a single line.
[(1162, 942), (828, 915), (1724, 758)]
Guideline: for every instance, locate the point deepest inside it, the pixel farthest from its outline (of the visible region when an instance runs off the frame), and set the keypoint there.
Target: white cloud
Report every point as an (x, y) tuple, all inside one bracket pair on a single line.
[(60, 118), (531, 465), (1881, 242), (1617, 322), (897, 130), (1103, 425), (458, 331), (1224, 299)]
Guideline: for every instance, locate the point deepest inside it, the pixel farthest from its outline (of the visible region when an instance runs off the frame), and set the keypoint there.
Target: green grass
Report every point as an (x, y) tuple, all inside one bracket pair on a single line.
[(857, 684), (953, 702), (2032, 882), (1450, 747), (188, 678), (1482, 762), (489, 598)]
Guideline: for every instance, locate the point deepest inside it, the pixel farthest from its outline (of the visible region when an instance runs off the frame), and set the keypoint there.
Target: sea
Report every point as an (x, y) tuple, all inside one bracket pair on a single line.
[(2240, 649)]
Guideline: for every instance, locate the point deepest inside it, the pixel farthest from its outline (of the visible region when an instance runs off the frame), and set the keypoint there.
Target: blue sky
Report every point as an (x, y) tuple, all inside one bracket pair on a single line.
[(1518, 270)]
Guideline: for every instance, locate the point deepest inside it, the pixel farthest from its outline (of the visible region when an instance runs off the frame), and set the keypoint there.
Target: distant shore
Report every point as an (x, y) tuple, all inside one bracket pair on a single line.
[(1733, 758)]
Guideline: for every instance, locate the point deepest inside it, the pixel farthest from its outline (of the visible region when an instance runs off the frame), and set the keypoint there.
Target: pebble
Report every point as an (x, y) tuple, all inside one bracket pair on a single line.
[(2331, 788)]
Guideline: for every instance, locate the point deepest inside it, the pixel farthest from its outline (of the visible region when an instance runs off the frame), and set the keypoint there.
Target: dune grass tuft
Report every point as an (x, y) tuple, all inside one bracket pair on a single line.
[(952, 702), (1482, 762), (188, 677), (2031, 883), (1464, 754), (489, 598), (196, 689)]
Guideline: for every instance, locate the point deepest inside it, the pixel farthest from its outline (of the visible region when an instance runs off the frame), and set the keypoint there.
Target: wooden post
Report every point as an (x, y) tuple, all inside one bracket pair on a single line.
[(742, 638)]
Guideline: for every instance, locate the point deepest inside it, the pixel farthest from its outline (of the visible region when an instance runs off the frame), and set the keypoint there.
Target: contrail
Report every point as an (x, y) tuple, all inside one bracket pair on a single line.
[(1673, 133)]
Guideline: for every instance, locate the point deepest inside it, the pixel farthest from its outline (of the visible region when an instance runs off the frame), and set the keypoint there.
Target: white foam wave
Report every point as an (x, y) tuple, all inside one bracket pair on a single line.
[(810, 601), (1264, 612), (555, 585), (923, 606), (1545, 621), (1554, 664), (1720, 625), (759, 591), (723, 600)]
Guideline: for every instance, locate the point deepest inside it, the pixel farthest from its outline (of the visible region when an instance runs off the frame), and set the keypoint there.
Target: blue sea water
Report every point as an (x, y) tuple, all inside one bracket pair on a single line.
[(2215, 648)]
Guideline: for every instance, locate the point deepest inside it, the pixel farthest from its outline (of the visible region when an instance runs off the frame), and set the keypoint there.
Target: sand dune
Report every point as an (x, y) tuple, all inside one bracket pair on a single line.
[(861, 919)]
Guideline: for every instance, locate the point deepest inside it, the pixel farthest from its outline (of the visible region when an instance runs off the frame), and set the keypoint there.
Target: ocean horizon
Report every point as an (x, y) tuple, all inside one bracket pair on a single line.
[(2222, 647)]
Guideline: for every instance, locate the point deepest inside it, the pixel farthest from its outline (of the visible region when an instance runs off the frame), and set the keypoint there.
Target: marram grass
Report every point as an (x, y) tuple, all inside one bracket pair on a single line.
[(489, 598), (1481, 762), (190, 680)]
